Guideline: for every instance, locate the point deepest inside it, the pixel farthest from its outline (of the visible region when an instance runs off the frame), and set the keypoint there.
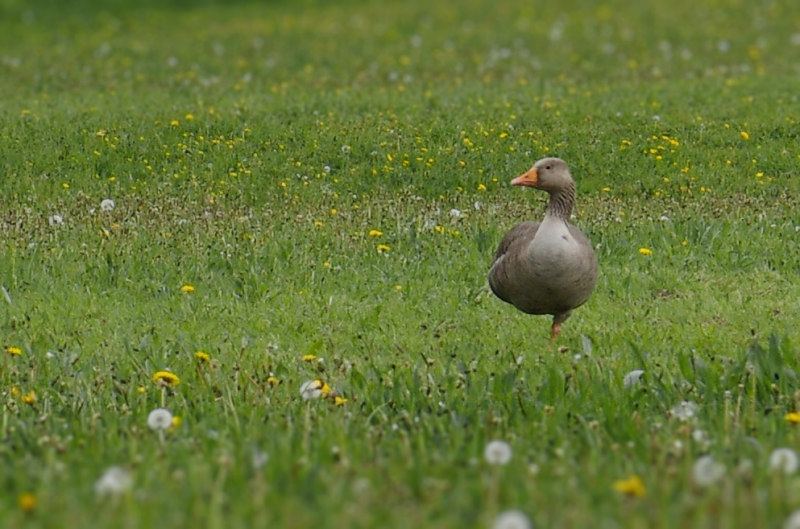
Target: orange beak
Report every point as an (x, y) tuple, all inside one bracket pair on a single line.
[(531, 178)]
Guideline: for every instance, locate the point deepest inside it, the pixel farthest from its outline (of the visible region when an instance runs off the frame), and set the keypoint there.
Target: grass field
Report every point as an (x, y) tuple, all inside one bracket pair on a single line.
[(313, 191)]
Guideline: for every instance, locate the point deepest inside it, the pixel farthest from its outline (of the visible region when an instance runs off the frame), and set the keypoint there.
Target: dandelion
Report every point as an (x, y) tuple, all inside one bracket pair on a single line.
[(309, 358), (706, 471), (792, 417), (27, 502), (203, 357), (114, 481), (107, 205), (382, 248), (314, 389), (745, 136), (159, 419), (481, 187), (375, 233), (13, 350), (512, 519), (633, 378), (645, 251), (174, 123), (784, 460), (272, 380), (166, 378), (685, 410), (497, 452), (339, 400), (346, 149), (258, 459), (187, 288), (456, 213), (55, 220), (631, 486), (29, 398)]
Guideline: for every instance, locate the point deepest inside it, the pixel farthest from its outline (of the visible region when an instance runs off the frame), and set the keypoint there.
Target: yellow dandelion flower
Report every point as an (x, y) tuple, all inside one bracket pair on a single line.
[(189, 117), (439, 229), (481, 187), (166, 378), (744, 135), (645, 251), (318, 224), (13, 351), (398, 288), (339, 401), (174, 123), (141, 389), (309, 358), (375, 233), (383, 248), (27, 502), (273, 381), (176, 421), (202, 356), (29, 397), (631, 486), (326, 389), (15, 392), (187, 288), (334, 211), (792, 417)]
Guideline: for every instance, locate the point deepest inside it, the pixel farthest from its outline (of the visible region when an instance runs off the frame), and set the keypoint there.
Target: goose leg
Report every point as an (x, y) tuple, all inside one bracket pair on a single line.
[(554, 332)]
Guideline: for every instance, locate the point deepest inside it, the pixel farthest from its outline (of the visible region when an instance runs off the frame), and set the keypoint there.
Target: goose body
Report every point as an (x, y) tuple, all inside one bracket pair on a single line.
[(546, 267)]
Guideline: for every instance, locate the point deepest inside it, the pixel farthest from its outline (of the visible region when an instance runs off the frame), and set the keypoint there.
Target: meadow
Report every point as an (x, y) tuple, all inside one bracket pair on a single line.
[(274, 220)]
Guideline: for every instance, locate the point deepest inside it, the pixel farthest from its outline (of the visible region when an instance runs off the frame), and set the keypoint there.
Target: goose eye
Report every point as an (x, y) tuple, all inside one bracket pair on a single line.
[(547, 167)]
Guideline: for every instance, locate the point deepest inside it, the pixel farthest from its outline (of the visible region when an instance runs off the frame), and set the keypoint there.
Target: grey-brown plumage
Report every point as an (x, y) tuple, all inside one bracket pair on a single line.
[(546, 267)]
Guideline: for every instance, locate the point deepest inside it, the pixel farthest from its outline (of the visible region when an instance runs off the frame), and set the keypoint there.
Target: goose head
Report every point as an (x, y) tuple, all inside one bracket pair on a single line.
[(548, 174)]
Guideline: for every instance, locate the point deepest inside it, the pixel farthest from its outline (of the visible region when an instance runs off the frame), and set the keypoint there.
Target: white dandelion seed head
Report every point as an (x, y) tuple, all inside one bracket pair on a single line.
[(258, 459), (685, 410), (456, 213), (793, 521), (512, 519), (55, 220), (311, 389), (345, 149), (497, 452), (706, 471), (159, 419), (784, 460), (633, 378), (107, 205), (114, 481)]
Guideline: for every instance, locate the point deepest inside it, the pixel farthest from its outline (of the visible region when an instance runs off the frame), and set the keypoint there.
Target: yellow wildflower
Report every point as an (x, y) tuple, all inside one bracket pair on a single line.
[(141, 389), (273, 381), (793, 417), (309, 358), (189, 117), (174, 123), (187, 288), (439, 229), (339, 401), (375, 233), (383, 248), (27, 502), (631, 486), (176, 421), (645, 251), (202, 356), (29, 398), (166, 378), (481, 187), (13, 351), (744, 135)]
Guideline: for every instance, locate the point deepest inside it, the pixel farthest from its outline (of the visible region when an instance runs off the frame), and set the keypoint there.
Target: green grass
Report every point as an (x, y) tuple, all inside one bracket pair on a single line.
[(251, 149)]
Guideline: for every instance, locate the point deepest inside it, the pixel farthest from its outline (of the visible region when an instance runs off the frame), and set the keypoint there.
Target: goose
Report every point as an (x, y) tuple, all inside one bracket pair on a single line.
[(546, 267)]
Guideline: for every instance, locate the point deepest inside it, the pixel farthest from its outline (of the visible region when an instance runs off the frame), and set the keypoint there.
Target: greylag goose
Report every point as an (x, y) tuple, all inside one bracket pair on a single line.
[(547, 267)]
